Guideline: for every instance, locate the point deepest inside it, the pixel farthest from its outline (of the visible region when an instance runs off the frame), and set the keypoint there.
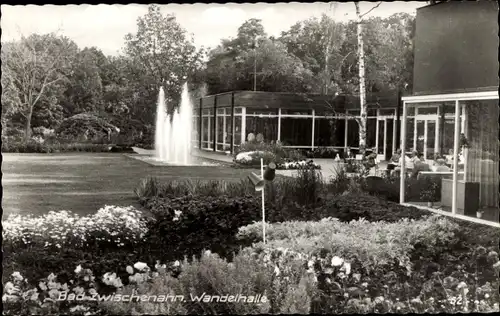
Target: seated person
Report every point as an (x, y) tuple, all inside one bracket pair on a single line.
[(419, 166), (440, 166), (393, 162)]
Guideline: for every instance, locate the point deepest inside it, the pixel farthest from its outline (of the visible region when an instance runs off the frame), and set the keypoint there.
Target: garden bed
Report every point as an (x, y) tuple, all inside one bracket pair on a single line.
[(327, 251)]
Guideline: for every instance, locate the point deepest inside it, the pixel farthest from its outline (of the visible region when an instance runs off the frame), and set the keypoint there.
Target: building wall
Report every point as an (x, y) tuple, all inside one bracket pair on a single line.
[(456, 47)]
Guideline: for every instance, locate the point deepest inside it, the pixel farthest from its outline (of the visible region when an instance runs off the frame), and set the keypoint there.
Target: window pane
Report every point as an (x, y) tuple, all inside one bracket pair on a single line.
[(410, 126), (237, 110), (296, 131), (354, 112), (352, 133), (371, 112), (229, 127), (387, 112), (296, 112), (256, 111), (329, 132), (221, 111), (427, 110), (371, 132), (482, 157), (205, 132), (196, 128), (266, 126), (237, 130), (448, 108), (220, 129), (447, 134)]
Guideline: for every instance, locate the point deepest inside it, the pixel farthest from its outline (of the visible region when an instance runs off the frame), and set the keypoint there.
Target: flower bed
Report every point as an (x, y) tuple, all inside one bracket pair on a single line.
[(252, 159), (311, 262)]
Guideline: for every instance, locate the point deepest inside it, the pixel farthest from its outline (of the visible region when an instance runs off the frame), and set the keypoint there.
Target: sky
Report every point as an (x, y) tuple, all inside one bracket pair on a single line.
[(105, 26)]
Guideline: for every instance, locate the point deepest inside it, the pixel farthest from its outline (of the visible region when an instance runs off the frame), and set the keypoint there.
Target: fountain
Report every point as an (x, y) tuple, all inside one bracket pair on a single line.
[(173, 132)]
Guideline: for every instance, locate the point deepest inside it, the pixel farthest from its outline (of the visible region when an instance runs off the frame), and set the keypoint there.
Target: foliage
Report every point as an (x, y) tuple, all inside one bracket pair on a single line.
[(315, 55), (230, 64), (430, 189), (390, 243), (35, 69), (35, 145), (162, 53), (86, 126), (323, 152)]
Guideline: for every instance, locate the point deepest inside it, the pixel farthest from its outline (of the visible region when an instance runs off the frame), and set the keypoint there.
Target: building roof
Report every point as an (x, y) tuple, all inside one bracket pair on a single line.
[(290, 100)]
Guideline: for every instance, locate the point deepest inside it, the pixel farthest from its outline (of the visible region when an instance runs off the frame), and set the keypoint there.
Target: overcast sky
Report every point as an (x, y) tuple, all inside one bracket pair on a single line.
[(105, 26)]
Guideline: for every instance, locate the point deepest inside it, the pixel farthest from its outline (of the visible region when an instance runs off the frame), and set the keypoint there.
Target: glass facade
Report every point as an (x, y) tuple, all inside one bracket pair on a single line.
[(458, 141), (294, 128)]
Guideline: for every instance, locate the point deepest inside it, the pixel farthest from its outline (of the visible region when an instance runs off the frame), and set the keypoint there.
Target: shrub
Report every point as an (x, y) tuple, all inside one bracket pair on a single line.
[(305, 189), (187, 225), (323, 152), (389, 244), (248, 275), (353, 206), (252, 146), (35, 145), (151, 187), (87, 126)]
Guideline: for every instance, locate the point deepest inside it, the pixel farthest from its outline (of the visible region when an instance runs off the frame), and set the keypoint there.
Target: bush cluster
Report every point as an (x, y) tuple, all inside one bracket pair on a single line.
[(85, 126)]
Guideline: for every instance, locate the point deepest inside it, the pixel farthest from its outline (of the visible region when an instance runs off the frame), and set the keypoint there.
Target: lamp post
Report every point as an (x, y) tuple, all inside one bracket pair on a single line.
[(259, 183)]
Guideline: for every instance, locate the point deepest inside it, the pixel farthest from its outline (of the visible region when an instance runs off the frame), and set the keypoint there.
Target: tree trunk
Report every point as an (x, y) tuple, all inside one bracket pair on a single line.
[(362, 89), (27, 132)]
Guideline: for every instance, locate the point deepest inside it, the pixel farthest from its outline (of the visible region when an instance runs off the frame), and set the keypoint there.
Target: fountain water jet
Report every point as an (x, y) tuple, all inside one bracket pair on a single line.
[(173, 132)]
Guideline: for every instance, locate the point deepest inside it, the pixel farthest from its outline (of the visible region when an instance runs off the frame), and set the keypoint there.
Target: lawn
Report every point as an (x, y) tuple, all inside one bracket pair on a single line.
[(84, 182)]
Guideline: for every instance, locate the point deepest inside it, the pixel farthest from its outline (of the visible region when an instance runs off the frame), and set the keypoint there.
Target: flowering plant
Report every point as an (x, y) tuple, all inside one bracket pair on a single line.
[(112, 224)]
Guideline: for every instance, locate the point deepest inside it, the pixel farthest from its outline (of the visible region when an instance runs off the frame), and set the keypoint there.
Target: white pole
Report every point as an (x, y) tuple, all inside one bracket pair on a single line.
[(385, 137), (346, 128), (456, 148), (263, 207), (426, 126), (312, 140), (377, 125), (403, 155), (279, 124), (243, 125)]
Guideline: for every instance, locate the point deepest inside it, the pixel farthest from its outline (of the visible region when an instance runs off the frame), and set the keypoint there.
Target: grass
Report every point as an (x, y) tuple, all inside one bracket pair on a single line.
[(84, 182)]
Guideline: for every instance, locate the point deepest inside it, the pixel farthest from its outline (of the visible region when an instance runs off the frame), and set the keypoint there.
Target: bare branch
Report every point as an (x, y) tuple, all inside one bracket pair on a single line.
[(373, 8), (343, 115)]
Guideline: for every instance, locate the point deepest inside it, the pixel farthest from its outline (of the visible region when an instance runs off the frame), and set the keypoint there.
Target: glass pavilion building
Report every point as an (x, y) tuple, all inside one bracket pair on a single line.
[(296, 120)]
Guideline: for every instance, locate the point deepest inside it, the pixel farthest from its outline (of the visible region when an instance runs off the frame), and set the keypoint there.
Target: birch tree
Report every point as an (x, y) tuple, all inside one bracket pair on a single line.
[(362, 88)]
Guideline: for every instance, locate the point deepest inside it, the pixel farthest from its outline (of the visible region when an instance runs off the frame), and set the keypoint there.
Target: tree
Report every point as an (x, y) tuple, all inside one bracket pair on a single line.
[(362, 89), (33, 66), (163, 55), (318, 43), (231, 65), (84, 92)]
